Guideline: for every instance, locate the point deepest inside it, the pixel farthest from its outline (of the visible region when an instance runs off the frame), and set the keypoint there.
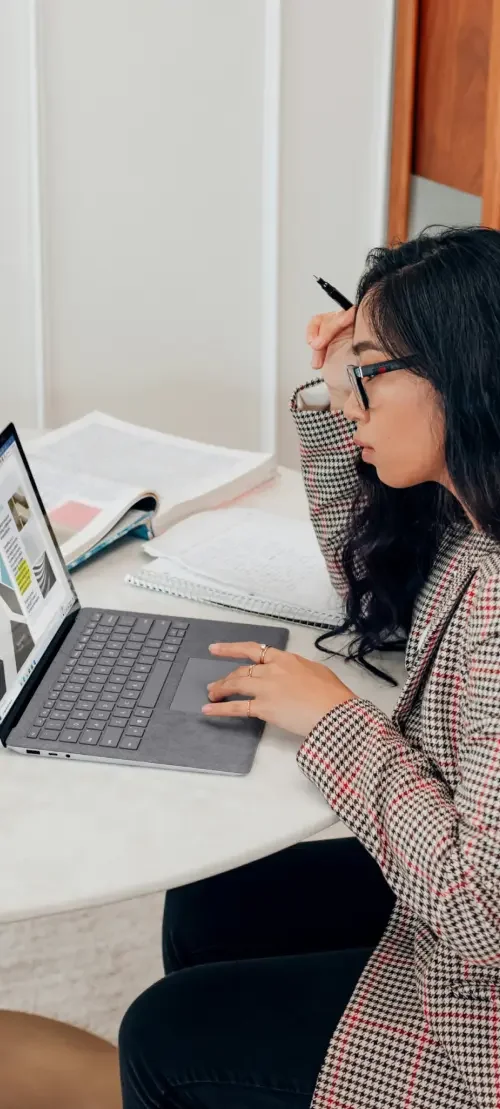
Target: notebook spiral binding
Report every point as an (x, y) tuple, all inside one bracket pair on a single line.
[(176, 587)]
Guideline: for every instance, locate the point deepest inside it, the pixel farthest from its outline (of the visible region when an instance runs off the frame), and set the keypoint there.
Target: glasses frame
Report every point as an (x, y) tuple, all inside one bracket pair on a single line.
[(357, 373)]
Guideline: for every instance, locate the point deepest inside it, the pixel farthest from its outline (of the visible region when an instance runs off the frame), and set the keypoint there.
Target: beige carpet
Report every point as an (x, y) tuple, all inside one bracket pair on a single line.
[(87, 967), (84, 967)]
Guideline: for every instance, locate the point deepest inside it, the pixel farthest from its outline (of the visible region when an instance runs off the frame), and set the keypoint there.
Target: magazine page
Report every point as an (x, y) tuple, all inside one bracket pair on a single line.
[(183, 471), (83, 507)]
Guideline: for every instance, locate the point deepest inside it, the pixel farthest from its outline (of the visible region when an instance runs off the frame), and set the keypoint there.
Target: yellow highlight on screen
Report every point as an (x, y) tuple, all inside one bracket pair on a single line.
[(23, 576)]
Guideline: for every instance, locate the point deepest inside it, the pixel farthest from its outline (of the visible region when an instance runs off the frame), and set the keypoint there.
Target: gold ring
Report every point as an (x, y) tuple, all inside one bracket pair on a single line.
[(251, 670), (263, 652), (249, 708)]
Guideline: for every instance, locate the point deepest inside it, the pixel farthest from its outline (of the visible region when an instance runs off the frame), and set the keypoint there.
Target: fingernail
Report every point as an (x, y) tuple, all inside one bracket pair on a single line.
[(214, 647), (210, 685), (207, 708)]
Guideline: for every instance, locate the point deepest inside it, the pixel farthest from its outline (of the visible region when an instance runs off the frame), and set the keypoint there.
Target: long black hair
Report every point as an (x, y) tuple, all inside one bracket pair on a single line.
[(438, 298)]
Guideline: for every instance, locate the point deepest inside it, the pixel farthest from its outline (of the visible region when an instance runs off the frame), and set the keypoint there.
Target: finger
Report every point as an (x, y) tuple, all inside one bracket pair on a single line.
[(251, 651), (333, 325), (318, 359), (313, 329), (241, 672), (231, 708), (238, 687)]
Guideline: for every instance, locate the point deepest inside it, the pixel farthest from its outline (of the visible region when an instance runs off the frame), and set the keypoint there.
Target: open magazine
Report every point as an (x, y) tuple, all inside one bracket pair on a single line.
[(100, 478)]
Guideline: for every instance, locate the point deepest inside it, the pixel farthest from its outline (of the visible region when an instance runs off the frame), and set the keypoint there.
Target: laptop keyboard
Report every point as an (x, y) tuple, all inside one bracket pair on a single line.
[(108, 689)]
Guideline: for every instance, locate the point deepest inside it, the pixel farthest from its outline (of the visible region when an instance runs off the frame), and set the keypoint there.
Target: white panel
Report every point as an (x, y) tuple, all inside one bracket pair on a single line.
[(152, 145), (17, 291), (337, 62), (431, 203)]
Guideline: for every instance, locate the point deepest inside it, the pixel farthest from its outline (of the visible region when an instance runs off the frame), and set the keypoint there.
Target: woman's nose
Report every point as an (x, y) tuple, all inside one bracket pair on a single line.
[(354, 410)]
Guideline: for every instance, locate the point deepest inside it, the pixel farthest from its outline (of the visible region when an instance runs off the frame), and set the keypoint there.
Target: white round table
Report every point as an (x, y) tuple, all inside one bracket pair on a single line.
[(76, 834)]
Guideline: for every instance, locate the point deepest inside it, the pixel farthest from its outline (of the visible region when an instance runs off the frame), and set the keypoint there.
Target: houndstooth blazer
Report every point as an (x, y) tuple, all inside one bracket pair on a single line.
[(421, 791)]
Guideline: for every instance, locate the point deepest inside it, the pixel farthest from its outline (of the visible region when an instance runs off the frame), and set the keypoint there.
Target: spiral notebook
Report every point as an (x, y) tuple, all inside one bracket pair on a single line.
[(248, 560)]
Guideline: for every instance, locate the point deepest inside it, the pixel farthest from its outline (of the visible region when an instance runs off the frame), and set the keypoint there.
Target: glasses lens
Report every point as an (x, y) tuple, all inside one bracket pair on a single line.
[(357, 388)]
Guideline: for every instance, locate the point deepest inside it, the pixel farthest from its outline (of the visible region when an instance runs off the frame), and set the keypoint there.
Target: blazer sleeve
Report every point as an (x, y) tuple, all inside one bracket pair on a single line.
[(328, 463), (440, 851)]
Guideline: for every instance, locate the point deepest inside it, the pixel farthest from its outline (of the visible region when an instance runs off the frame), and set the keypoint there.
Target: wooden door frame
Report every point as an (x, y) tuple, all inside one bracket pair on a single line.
[(403, 112)]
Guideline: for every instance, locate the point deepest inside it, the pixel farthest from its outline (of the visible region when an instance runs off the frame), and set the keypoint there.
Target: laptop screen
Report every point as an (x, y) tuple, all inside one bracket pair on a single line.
[(35, 591)]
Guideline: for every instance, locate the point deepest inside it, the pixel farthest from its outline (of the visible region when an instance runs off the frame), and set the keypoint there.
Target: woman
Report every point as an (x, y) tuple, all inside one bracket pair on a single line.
[(392, 939)]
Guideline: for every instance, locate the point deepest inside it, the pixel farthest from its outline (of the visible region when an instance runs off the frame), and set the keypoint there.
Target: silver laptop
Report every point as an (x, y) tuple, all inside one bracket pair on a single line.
[(102, 684)]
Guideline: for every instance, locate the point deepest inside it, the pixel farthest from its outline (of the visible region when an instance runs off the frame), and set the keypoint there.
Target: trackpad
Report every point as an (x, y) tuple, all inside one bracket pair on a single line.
[(191, 693)]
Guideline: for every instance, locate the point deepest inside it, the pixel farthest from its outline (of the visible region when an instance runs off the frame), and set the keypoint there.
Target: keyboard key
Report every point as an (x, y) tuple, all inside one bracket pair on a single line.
[(51, 700), (91, 653), (57, 687), (100, 714), (155, 684), (180, 624), (136, 683), (103, 670), (146, 713), (49, 735), (101, 638), (83, 669), (136, 639), (85, 706), (75, 725), (40, 721), (136, 722), (142, 668), (44, 713), (109, 653), (69, 737), (56, 725), (80, 714), (60, 714), (79, 679), (151, 650), (128, 700), (130, 742), (106, 696), (66, 700), (130, 653), (87, 695), (114, 687), (94, 686), (167, 656), (159, 629), (116, 639), (96, 725), (123, 668), (73, 687), (171, 641), (117, 722), (108, 620), (125, 713), (134, 731), (127, 621), (89, 737), (110, 737), (117, 679), (33, 733), (143, 624)]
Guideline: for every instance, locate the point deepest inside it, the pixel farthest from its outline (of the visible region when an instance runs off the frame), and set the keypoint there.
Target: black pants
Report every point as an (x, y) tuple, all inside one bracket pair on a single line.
[(260, 964)]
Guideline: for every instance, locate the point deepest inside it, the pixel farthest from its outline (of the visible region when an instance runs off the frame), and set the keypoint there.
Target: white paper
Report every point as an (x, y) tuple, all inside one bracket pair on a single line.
[(179, 468), (251, 553)]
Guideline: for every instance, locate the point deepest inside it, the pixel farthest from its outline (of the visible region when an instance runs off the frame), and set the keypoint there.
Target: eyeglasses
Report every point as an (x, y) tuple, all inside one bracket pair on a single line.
[(357, 373)]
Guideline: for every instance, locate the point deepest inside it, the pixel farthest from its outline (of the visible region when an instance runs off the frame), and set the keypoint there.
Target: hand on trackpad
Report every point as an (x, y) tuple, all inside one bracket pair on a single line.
[(191, 693)]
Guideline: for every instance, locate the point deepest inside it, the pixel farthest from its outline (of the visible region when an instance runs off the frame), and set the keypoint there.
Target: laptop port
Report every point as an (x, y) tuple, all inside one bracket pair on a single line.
[(28, 752)]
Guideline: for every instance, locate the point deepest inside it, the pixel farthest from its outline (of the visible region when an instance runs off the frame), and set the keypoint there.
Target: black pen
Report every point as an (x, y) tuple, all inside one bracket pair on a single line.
[(333, 293)]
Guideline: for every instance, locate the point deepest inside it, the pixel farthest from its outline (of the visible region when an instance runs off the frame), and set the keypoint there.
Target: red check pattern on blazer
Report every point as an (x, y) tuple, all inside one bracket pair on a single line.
[(421, 791)]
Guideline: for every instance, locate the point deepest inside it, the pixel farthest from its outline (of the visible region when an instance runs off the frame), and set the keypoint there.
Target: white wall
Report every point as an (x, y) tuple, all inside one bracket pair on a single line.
[(431, 203), (17, 284), (337, 64), (153, 120), (152, 169)]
